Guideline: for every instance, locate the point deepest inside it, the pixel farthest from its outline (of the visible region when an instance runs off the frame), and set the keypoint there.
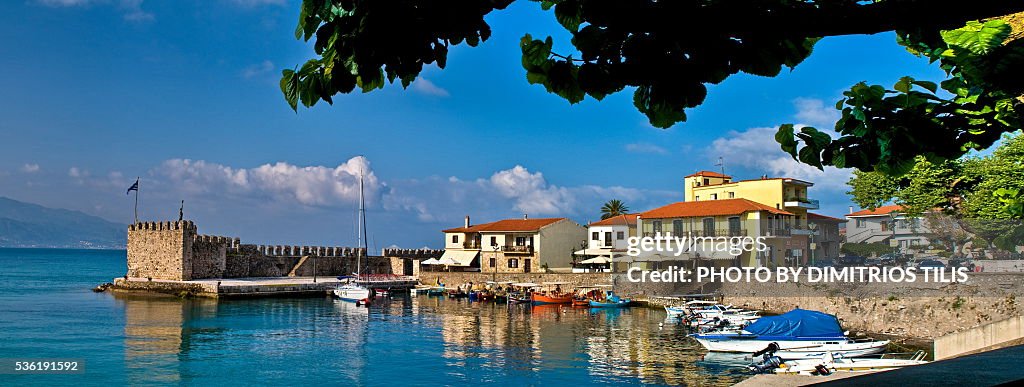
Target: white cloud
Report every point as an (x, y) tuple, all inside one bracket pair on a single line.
[(643, 147), (425, 86), (30, 168), (813, 112), (76, 173), (756, 149), (511, 193), (310, 185), (258, 70)]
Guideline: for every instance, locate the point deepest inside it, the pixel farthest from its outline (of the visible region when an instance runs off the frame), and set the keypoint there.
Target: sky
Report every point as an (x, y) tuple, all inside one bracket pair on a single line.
[(184, 95)]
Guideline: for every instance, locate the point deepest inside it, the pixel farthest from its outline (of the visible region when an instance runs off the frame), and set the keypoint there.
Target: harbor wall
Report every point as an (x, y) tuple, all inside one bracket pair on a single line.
[(922, 310), (176, 251), (458, 278), (978, 338)]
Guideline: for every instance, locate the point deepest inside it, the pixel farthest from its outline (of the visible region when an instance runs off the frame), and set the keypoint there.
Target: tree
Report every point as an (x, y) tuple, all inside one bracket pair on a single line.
[(967, 189), (612, 208), (667, 52)]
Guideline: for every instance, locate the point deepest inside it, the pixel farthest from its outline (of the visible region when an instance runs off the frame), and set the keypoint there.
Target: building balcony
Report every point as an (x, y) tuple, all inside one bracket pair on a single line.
[(805, 203), (517, 249), (777, 232), (474, 245)]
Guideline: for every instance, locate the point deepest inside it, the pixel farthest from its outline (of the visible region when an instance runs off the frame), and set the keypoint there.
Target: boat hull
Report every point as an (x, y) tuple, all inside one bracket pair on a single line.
[(600, 304), (794, 349), (540, 299), (352, 294)]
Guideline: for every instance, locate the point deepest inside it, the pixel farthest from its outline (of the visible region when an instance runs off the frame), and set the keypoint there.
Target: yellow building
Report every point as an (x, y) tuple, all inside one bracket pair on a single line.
[(782, 193)]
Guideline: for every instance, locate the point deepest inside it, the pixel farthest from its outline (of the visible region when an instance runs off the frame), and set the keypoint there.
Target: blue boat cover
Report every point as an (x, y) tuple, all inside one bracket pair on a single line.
[(798, 323)]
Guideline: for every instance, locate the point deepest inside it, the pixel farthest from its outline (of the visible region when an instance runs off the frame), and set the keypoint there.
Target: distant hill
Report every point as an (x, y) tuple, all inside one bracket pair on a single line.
[(31, 225)]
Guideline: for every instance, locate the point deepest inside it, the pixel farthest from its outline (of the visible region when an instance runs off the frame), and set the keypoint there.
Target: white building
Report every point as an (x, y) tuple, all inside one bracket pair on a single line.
[(885, 224), (607, 241), (513, 245)]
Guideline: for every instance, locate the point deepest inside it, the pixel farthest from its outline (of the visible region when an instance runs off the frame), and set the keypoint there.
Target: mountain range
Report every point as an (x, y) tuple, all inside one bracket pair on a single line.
[(31, 225)]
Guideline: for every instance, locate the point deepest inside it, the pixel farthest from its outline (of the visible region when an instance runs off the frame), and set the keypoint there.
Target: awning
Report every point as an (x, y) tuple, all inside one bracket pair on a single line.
[(458, 258), (596, 260), (595, 252)]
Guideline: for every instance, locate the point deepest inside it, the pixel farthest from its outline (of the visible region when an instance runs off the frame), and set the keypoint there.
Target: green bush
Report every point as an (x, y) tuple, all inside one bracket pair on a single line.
[(865, 249)]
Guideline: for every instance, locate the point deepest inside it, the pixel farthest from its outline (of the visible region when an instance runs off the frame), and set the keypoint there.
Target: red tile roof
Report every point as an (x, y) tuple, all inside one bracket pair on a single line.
[(508, 225), (628, 219), (710, 174), (883, 210), (709, 208), (813, 216)]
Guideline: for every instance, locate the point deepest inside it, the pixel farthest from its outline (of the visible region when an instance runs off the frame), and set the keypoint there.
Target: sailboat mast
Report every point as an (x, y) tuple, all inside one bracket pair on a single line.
[(361, 227)]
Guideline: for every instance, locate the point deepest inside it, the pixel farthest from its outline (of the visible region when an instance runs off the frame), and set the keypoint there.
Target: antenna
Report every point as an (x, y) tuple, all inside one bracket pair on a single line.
[(721, 163)]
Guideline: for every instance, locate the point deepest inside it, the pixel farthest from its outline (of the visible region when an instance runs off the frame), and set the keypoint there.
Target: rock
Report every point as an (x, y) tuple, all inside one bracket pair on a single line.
[(102, 287)]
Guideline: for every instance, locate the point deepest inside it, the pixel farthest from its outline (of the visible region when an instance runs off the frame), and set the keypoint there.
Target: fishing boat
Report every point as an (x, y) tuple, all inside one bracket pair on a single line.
[(353, 291), (830, 362), (521, 292), (552, 295), (610, 300), (798, 334)]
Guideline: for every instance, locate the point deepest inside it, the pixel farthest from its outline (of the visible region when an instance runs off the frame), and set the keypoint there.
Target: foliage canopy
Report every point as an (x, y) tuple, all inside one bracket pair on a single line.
[(667, 52)]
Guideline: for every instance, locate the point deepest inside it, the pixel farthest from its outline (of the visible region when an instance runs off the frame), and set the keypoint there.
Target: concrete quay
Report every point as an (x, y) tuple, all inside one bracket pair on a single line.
[(231, 287)]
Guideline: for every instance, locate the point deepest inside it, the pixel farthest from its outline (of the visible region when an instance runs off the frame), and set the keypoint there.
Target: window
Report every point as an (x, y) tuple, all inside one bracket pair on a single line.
[(620, 235), (860, 223), (677, 227), (696, 198), (513, 263), (732, 195), (657, 226), (709, 226), (493, 261), (714, 196), (595, 236), (455, 238), (521, 241), (608, 238), (734, 226), (494, 241), (707, 181)]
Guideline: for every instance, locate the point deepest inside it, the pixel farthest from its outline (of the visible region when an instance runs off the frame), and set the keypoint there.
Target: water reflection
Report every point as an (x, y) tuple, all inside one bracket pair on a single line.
[(431, 340)]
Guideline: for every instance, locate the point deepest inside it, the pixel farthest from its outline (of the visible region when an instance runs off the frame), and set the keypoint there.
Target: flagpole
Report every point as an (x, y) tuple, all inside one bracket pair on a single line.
[(136, 201)]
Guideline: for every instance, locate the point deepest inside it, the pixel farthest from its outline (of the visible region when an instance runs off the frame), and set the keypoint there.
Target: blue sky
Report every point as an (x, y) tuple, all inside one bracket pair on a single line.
[(184, 94)]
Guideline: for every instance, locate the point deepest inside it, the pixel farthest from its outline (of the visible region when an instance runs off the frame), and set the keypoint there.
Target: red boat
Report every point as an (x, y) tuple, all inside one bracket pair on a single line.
[(540, 298)]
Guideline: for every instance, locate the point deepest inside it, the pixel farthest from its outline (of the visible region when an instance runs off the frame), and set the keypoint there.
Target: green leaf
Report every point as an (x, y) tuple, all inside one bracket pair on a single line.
[(784, 136), (978, 38), (290, 88)]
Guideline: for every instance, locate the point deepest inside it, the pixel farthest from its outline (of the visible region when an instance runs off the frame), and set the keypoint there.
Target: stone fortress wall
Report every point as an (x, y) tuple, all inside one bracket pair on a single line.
[(176, 251)]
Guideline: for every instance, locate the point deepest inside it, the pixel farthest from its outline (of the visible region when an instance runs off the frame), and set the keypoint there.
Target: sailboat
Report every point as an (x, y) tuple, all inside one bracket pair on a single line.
[(352, 291)]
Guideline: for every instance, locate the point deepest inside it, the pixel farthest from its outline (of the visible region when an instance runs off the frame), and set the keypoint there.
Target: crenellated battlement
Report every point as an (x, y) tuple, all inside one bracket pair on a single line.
[(412, 253), (187, 225)]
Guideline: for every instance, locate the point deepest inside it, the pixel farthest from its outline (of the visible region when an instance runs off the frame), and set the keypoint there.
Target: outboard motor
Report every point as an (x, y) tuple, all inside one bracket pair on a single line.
[(768, 362)]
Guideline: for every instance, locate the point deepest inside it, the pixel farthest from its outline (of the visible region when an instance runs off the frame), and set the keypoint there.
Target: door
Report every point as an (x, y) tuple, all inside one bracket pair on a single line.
[(526, 265)]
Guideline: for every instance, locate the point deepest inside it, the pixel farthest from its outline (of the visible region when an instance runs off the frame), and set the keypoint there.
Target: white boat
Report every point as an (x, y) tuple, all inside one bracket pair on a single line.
[(352, 291), (830, 362), (798, 334)]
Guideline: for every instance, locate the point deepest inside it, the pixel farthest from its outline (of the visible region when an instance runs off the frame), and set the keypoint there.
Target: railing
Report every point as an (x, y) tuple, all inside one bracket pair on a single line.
[(471, 245), (518, 249)]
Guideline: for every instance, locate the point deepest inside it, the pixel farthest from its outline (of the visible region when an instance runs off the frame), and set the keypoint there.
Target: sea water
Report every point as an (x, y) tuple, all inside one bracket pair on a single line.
[(47, 310)]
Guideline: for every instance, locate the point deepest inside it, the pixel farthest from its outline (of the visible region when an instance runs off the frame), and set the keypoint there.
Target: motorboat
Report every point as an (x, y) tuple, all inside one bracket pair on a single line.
[(610, 300), (553, 295), (832, 362), (798, 334)]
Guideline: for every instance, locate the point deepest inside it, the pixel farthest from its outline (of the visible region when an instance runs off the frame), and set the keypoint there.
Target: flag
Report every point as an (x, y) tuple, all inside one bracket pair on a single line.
[(134, 187)]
